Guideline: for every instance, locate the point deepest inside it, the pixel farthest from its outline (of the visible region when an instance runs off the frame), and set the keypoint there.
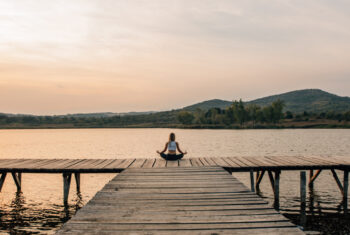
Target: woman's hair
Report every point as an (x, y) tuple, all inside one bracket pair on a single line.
[(172, 137)]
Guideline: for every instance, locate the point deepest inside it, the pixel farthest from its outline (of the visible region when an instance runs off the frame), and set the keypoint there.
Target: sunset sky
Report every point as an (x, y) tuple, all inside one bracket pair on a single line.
[(74, 56)]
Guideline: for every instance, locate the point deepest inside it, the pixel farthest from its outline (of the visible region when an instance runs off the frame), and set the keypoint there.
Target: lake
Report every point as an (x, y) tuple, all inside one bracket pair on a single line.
[(39, 208)]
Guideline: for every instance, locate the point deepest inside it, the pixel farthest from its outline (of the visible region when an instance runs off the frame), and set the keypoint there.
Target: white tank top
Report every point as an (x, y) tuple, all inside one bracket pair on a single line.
[(172, 146)]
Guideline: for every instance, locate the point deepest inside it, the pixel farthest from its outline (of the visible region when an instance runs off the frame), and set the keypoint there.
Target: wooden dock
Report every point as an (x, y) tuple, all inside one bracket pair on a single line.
[(118, 165), (258, 165), (181, 200), (152, 180)]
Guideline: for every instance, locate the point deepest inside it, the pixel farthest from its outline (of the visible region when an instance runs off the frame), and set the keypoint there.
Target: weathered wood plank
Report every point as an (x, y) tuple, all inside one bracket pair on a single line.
[(137, 163), (149, 163), (257, 163), (185, 163), (176, 199)]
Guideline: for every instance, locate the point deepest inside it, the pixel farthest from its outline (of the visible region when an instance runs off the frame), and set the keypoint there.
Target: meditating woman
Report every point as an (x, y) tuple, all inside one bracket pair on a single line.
[(172, 146)]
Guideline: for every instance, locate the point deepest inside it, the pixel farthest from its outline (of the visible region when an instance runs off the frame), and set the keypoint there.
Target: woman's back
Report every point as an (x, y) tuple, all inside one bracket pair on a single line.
[(172, 146)]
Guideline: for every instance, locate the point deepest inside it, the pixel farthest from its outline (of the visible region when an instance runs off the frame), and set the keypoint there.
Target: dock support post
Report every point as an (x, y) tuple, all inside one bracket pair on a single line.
[(313, 178), (345, 188), (77, 181), (66, 185), (17, 177), (252, 188), (302, 198), (259, 178), (2, 180), (277, 190), (272, 181), (311, 184), (335, 176)]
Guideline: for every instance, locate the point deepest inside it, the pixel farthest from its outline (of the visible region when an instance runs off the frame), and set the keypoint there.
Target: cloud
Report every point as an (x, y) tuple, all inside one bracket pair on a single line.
[(201, 48)]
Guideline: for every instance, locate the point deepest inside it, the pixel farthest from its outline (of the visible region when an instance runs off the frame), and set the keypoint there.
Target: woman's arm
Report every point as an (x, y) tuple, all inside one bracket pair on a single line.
[(166, 146), (178, 148)]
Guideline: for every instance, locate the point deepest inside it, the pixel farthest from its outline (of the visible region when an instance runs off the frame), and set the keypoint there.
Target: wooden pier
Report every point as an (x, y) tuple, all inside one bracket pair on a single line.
[(182, 200), (151, 178)]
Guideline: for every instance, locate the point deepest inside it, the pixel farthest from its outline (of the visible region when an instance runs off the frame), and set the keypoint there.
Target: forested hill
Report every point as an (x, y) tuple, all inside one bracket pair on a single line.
[(205, 105), (311, 100)]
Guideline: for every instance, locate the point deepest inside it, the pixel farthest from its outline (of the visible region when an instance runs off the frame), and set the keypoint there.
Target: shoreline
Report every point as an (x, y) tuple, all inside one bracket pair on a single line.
[(195, 127)]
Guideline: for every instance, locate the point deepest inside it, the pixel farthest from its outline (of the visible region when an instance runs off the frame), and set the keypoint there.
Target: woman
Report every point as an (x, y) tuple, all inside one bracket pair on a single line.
[(172, 146)]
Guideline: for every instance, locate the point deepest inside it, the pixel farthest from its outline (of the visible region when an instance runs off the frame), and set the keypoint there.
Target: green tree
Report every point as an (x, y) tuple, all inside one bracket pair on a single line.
[(185, 117), (347, 116), (268, 114), (199, 116), (252, 113), (277, 108), (289, 115)]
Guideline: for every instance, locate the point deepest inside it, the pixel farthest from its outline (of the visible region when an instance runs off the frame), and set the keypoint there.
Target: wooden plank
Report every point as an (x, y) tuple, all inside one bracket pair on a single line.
[(58, 163), (196, 162), (105, 163), (159, 163), (308, 160), (173, 200), (21, 163), (233, 162), (127, 163), (10, 163), (185, 163), (275, 231), (245, 162), (210, 161), (85, 164), (221, 162), (204, 161), (149, 163), (137, 163), (172, 164), (115, 164)]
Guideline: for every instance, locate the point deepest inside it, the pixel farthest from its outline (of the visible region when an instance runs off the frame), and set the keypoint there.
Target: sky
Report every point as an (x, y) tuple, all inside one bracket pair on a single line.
[(81, 56)]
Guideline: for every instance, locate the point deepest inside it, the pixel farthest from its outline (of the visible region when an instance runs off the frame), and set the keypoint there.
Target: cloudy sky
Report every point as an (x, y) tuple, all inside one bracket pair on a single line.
[(72, 56)]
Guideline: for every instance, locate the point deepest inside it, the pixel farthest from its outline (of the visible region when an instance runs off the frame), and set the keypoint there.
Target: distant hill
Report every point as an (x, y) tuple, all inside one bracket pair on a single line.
[(215, 103), (311, 100)]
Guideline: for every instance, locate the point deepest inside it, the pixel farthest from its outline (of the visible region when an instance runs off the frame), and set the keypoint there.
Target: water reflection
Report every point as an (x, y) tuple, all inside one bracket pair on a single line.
[(21, 217)]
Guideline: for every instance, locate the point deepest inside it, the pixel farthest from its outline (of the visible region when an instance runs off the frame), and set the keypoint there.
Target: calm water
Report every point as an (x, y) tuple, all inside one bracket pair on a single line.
[(39, 208)]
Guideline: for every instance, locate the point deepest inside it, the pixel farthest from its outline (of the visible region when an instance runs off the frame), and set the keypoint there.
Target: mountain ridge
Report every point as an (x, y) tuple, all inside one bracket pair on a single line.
[(310, 100)]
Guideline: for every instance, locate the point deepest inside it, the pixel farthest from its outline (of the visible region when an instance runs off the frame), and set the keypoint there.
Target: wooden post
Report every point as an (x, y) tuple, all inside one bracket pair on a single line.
[(77, 181), (314, 177), (257, 183), (2, 180), (345, 188), (272, 181), (252, 186), (66, 185), (277, 190), (311, 184), (335, 176), (17, 177), (303, 198)]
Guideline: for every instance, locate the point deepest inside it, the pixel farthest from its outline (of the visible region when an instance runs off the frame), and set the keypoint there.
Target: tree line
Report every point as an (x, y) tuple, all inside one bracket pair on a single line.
[(237, 114), (240, 114)]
